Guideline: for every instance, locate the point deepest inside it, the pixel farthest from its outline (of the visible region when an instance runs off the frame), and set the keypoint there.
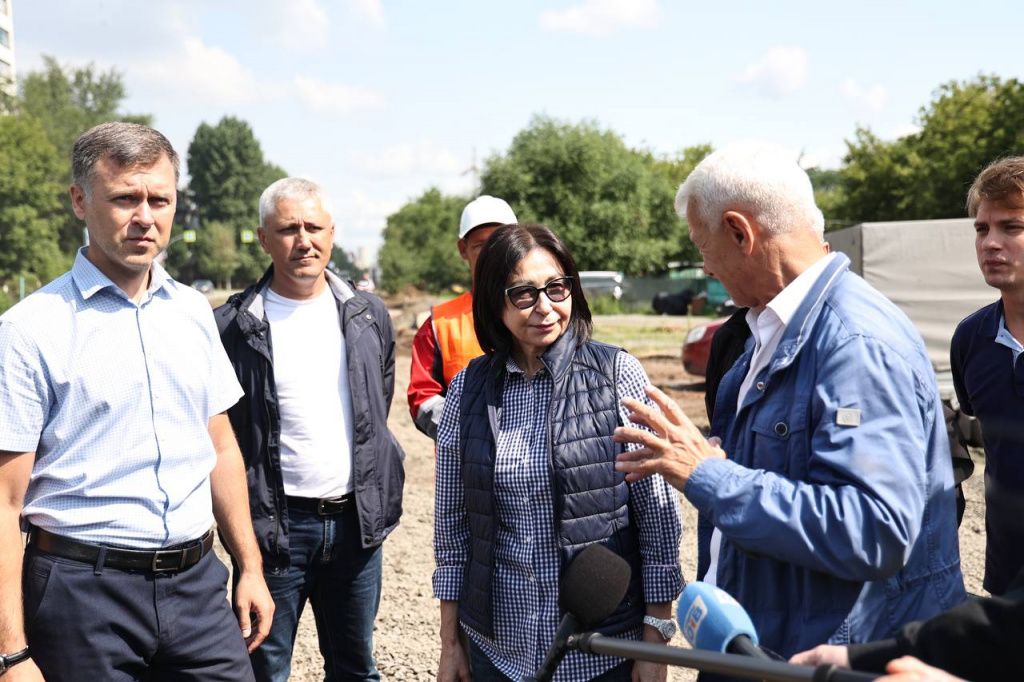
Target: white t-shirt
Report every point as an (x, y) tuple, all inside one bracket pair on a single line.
[(315, 403)]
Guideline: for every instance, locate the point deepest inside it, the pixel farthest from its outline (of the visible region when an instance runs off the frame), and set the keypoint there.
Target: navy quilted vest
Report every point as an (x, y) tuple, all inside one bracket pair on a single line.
[(591, 498)]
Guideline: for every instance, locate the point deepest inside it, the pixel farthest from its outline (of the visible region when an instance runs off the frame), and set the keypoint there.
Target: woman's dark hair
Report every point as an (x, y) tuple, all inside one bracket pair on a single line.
[(499, 259)]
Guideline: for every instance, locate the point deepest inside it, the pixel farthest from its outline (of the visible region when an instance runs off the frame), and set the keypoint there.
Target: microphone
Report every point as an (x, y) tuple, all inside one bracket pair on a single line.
[(591, 589), (712, 620), (597, 580)]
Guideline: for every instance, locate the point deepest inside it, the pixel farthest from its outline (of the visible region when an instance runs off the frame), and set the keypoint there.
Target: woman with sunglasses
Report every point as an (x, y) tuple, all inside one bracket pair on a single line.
[(526, 477)]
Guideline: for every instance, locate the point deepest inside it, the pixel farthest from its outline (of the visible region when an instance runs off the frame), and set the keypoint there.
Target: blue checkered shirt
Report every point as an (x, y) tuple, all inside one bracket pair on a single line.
[(114, 398), (527, 563)]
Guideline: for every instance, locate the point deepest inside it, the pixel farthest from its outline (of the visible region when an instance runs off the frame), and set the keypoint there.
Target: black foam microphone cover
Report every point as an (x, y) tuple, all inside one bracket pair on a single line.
[(593, 585)]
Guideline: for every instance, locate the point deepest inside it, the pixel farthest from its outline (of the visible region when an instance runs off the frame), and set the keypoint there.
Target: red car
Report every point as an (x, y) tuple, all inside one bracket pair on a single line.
[(697, 346)]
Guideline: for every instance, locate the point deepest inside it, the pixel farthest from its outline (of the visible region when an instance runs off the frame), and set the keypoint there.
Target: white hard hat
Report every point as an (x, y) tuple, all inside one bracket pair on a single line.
[(485, 210)]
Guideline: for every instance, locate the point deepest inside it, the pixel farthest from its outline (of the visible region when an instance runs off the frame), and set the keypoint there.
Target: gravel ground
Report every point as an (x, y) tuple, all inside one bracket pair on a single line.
[(405, 638)]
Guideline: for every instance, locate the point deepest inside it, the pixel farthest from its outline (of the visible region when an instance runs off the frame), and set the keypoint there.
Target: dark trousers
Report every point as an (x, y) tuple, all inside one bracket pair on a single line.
[(341, 580), (88, 623)]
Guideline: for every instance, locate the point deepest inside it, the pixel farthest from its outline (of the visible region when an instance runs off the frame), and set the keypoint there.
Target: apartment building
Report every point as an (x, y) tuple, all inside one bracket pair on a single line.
[(8, 74)]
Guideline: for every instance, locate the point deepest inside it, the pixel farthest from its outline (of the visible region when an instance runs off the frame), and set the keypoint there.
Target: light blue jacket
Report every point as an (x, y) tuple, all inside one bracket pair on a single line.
[(836, 503)]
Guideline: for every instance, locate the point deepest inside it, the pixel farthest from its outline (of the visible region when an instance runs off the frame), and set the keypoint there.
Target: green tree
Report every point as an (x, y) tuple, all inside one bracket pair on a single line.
[(343, 262), (31, 214), (926, 175), (252, 263), (828, 194), (67, 101), (228, 175), (612, 205), (216, 253), (675, 170), (420, 245), (228, 172)]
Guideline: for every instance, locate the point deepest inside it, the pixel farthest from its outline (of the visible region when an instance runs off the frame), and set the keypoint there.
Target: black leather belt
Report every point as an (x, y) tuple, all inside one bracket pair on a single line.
[(323, 507), (170, 560)]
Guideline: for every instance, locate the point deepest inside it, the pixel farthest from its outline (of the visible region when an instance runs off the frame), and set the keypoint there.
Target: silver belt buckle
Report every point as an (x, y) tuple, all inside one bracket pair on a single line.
[(157, 555)]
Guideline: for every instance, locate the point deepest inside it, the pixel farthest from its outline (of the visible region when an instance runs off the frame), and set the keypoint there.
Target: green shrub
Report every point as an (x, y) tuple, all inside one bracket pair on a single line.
[(605, 304)]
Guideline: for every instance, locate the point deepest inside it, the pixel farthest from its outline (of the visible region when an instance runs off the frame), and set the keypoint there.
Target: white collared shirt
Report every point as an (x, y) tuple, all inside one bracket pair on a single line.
[(767, 327), (768, 324)]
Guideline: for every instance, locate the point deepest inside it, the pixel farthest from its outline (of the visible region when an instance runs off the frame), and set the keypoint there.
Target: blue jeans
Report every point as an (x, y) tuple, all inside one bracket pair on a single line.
[(341, 580)]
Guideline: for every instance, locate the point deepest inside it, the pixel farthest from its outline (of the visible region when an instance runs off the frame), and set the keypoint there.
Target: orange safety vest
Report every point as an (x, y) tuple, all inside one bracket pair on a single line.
[(456, 337)]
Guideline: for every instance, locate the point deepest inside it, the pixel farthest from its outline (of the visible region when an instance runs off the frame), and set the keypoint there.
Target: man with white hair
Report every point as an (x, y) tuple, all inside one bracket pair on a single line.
[(315, 358), (831, 490)]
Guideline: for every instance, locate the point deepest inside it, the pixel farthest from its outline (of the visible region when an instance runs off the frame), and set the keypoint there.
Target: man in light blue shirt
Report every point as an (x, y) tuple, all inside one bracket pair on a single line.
[(116, 452)]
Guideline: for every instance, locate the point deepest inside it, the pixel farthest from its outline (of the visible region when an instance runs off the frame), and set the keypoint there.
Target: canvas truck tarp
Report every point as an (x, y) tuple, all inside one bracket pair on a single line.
[(926, 267)]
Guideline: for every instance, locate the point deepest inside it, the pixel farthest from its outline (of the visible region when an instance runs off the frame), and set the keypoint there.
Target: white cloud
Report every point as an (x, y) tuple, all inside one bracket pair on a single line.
[(870, 98), (335, 98), (203, 72), (408, 159), (370, 10), (361, 219), (780, 71), (299, 25), (601, 17)]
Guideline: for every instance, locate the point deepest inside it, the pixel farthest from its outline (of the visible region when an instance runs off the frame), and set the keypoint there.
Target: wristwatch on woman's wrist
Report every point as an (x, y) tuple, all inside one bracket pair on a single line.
[(8, 660), (666, 627)]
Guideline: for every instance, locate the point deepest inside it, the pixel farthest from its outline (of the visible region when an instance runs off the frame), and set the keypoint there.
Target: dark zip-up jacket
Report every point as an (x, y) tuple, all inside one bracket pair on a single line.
[(377, 458)]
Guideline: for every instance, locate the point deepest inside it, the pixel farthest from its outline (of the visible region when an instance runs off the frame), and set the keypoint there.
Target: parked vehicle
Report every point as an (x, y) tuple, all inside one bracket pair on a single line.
[(693, 291), (602, 283), (697, 346), (665, 303), (203, 286)]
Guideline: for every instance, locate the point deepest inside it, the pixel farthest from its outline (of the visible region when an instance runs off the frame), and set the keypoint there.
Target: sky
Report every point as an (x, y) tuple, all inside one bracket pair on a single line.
[(379, 100)]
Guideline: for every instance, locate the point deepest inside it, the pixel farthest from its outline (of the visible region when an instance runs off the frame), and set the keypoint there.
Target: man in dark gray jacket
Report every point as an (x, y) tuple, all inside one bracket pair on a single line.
[(315, 358)]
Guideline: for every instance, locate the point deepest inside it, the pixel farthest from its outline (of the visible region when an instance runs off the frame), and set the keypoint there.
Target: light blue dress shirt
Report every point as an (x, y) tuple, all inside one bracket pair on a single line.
[(1005, 338), (114, 398)]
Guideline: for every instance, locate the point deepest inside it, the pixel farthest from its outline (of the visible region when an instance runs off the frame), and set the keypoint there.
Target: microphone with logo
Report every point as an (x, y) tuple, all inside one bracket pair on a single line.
[(591, 589), (594, 584), (712, 620)]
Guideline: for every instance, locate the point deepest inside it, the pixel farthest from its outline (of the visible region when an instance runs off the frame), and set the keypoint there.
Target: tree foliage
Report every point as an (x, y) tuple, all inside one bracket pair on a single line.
[(228, 175), (966, 126), (612, 205), (67, 101), (228, 172), (827, 183), (343, 262), (420, 244), (31, 214), (253, 261), (216, 252)]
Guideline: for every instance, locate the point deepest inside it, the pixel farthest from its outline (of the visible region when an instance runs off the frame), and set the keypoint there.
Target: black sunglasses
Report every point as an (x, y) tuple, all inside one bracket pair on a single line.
[(526, 295)]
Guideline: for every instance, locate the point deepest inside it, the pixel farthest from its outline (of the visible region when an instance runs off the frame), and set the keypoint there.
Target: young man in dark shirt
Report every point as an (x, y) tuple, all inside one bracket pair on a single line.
[(987, 360)]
